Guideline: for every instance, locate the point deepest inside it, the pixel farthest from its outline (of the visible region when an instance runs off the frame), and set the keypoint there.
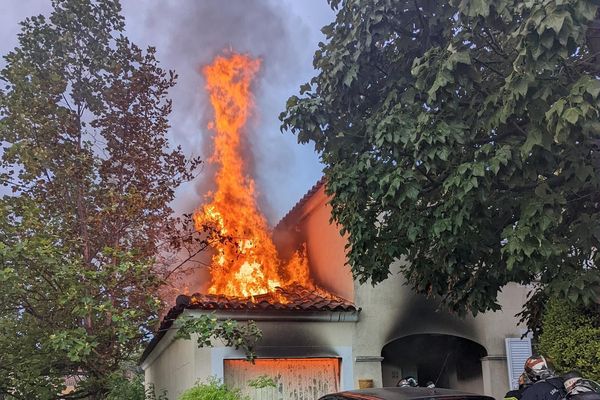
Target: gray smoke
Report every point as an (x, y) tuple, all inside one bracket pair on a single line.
[(188, 35)]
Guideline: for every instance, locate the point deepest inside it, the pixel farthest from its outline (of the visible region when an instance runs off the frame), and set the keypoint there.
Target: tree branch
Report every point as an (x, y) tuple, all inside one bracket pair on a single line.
[(185, 261)]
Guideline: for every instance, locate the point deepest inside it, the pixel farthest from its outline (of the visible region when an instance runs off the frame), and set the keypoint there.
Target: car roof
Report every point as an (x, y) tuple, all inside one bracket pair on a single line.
[(408, 393)]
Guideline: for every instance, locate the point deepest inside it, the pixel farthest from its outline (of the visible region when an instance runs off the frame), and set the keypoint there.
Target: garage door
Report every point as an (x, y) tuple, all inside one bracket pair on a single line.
[(295, 378)]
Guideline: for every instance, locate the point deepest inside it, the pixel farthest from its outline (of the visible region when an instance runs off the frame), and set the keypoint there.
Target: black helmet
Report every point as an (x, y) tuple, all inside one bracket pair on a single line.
[(538, 368)]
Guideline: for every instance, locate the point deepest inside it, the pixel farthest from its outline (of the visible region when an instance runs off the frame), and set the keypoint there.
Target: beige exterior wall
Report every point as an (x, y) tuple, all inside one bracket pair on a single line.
[(176, 365), (390, 312)]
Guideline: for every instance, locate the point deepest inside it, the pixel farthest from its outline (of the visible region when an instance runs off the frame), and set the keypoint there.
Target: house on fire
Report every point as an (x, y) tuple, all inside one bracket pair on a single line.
[(316, 342)]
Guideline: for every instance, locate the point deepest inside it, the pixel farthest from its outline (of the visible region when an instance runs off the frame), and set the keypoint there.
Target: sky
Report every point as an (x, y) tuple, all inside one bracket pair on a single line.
[(188, 34)]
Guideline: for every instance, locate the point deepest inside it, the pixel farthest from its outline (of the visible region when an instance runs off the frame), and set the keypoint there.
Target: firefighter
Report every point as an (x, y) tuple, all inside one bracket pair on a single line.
[(546, 386), (579, 388), (524, 383)]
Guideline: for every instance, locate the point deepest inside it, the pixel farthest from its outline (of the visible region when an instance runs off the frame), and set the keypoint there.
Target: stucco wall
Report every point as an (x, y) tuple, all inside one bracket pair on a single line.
[(397, 312), (178, 367), (390, 310)]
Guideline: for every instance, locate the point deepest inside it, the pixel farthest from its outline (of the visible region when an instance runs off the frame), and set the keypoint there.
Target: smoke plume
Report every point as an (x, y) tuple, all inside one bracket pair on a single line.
[(192, 34)]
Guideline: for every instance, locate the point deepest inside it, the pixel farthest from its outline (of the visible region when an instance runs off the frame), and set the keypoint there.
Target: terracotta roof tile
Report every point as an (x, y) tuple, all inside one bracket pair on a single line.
[(294, 297)]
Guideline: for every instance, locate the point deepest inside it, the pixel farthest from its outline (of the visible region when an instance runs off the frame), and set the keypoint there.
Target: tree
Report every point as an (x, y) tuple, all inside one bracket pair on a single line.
[(463, 138), (571, 338), (83, 122)]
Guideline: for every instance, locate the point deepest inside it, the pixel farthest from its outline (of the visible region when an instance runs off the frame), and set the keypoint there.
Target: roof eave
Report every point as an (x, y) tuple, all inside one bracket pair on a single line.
[(282, 315)]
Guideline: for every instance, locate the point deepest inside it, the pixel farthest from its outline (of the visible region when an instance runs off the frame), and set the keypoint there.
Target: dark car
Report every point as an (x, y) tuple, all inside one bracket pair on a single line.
[(408, 393)]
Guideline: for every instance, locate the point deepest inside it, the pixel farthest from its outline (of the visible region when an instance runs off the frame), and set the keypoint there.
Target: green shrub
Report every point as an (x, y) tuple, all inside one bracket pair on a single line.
[(571, 338), (213, 389), (123, 388)]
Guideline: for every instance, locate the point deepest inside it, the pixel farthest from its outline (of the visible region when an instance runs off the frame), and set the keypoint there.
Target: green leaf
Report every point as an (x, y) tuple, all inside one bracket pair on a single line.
[(555, 20), (462, 57), (534, 138), (478, 169), (351, 75), (571, 115), (474, 8), (593, 88)]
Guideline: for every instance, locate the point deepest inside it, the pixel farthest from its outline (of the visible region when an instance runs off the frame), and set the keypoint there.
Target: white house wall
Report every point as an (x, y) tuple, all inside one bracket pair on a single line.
[(178, 366), (392, 311)]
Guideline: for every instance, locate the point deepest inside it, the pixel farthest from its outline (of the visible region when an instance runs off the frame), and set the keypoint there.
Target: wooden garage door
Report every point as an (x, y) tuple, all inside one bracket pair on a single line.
[(296, 378)]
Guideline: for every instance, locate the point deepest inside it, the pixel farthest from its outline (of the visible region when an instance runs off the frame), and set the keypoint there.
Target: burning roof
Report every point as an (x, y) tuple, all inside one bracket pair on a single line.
[(291, 298)]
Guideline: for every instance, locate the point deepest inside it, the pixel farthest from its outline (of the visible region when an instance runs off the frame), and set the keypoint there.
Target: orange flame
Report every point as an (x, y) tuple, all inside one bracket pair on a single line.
[(245, 262)]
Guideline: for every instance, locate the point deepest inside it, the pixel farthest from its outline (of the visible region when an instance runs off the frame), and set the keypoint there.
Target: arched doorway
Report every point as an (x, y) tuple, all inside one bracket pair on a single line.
[(449, 361)]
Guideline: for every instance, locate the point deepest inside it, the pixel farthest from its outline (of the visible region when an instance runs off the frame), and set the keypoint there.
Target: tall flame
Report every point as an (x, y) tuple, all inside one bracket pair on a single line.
[(245, 262)]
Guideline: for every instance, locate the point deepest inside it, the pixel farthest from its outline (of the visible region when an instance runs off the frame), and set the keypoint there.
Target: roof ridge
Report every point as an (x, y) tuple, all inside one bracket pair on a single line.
[(302, 200)]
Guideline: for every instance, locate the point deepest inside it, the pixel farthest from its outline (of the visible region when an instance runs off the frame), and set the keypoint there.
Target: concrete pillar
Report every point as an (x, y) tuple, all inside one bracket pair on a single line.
[(495, 376), (368, 367)]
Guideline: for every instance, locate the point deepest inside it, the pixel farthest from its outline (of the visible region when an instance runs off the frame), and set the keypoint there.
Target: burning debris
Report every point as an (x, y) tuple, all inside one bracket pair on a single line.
[(246, 262)]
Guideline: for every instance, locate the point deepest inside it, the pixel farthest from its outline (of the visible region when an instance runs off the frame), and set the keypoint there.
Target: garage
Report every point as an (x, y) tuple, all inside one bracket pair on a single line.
[(295, 378)]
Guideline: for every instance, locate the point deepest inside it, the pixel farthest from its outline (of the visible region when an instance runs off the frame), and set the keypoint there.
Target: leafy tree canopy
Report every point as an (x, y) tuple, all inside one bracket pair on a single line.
[(83, 123), (462, 137)]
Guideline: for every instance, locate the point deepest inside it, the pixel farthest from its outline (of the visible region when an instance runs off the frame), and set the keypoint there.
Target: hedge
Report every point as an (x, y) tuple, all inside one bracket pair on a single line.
[(571, 339)]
